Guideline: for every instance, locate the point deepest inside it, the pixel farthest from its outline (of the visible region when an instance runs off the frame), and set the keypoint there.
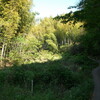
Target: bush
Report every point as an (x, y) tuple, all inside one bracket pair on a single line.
[(81, 92)]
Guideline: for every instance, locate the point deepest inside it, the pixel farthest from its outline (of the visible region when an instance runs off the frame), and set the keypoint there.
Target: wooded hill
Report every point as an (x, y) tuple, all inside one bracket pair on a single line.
[(49, 60)]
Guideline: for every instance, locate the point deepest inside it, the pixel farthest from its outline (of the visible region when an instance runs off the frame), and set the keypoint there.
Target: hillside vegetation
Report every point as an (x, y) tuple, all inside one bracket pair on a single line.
[(68, 78)]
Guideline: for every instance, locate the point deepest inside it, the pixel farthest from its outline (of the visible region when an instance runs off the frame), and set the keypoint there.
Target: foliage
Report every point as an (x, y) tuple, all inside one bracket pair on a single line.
[(53, 79), (90, 41), (82, 92), (15, 20), (49, 59), (92, 26)]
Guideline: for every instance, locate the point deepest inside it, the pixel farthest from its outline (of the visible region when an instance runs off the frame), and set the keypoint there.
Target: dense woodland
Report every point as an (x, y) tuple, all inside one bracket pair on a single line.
[(51, 59)]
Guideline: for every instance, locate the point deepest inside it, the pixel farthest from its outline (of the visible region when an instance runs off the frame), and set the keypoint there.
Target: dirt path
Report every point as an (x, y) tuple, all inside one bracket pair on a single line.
[(96, 78)]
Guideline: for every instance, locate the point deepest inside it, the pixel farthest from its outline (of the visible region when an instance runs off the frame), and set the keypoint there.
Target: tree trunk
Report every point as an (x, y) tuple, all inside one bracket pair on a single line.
[(2, 54)]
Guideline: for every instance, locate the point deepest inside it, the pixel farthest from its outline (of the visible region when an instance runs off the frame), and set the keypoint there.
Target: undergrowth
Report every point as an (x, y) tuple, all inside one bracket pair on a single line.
[(67, 79)]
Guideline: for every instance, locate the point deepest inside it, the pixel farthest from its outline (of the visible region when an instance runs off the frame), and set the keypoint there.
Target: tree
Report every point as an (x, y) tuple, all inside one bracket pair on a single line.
[(15, 19), (89, 13)]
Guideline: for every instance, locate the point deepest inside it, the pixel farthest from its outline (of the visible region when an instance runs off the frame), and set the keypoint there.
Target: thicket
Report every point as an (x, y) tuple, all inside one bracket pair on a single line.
[(58, 80)]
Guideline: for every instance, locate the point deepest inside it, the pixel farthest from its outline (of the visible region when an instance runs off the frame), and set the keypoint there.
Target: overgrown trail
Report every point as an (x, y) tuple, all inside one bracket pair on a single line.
[(96, 78)]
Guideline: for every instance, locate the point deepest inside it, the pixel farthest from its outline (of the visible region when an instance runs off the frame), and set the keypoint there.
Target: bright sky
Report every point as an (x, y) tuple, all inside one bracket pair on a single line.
[(47, 8)]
